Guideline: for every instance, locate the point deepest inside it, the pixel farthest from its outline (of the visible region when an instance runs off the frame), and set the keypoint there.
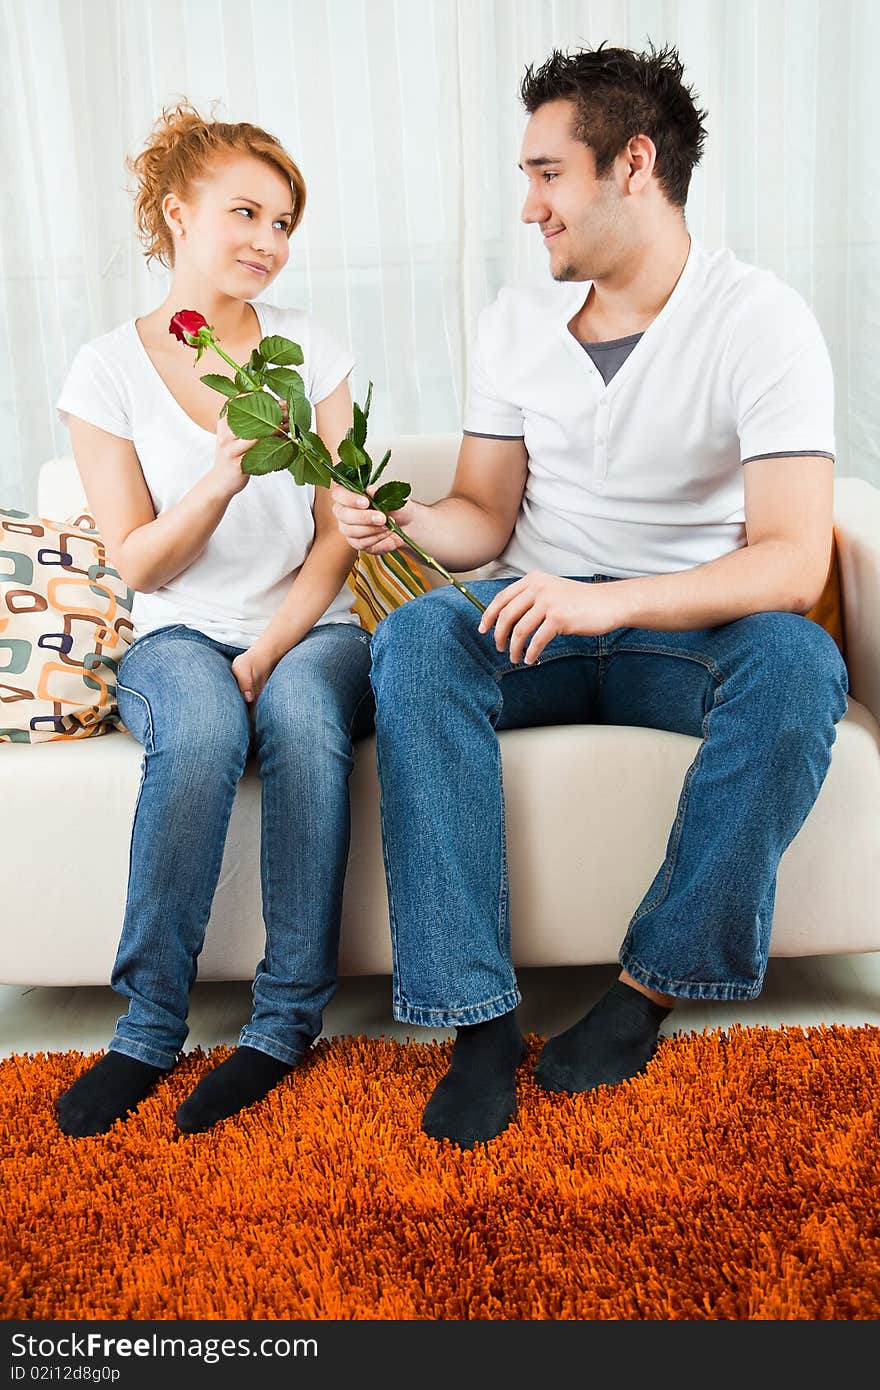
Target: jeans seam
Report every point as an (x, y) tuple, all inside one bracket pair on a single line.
[(263, 1037), (672, 857), (128, 690), (502, 937), (456, 1008)]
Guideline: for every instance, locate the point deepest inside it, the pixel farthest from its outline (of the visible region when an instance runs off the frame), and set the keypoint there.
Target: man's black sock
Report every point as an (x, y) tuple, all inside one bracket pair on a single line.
[(243, 1079), (614, 1041), (476, 1099), (105, 1093)]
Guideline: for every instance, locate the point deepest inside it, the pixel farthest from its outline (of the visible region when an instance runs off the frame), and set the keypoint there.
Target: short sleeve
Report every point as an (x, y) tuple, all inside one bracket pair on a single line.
[(328, 363), (781, 379), (488, 412), (94, 392)]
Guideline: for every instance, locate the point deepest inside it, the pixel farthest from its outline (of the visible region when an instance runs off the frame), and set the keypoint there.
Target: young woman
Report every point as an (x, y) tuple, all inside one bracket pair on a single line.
[(244, 635)]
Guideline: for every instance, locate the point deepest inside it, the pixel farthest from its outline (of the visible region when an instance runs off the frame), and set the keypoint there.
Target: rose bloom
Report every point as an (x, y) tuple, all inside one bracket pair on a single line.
[(187, 321)]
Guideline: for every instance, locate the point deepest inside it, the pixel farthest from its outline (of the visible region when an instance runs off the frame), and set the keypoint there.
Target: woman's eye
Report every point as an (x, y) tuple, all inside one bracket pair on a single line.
[(279, 222), (548, 174)]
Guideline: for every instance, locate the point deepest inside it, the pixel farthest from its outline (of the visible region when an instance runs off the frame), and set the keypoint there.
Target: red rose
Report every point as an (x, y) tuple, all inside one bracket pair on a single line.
[(187, 321)]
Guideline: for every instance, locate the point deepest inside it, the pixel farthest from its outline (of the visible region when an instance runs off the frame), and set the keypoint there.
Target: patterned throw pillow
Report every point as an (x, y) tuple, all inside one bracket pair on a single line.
[(65, 623), (381, 583)]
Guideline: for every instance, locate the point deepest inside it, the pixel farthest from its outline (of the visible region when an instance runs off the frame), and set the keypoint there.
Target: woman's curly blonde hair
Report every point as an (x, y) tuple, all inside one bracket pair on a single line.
[(179, 151)]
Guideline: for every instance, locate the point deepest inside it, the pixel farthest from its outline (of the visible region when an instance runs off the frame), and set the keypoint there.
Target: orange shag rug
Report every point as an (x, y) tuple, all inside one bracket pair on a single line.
[(736, 1179)]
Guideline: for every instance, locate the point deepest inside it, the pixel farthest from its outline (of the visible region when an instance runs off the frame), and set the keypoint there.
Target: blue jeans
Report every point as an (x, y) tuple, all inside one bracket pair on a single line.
[(763, 694), (177, 695)]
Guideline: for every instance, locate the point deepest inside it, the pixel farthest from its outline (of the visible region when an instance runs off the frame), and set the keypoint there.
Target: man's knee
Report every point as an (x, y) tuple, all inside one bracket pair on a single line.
[(423, 630), (797, 662)]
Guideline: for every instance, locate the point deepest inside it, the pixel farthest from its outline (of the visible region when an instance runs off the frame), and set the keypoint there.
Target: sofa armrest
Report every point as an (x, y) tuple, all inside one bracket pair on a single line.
[(857, 528)]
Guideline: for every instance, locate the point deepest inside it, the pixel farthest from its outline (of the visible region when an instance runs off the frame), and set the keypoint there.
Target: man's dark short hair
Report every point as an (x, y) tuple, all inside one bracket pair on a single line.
[(619, 94)]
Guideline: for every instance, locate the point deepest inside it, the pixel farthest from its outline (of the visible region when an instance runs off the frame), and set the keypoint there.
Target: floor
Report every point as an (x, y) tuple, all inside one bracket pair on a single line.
[(802, 992)]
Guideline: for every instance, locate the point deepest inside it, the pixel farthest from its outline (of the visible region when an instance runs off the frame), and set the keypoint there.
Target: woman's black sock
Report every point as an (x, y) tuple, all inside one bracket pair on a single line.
[(614, 1041), (243, 1079), (476, 1099), (107, 1092)]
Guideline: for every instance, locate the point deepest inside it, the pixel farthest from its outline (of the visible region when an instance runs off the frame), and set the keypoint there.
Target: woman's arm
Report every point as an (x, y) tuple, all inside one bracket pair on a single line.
[(323, 572), (147, 550)]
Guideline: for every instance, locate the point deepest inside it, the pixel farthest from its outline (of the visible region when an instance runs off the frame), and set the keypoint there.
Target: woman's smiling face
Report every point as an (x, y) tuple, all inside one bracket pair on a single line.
[(236, 226)]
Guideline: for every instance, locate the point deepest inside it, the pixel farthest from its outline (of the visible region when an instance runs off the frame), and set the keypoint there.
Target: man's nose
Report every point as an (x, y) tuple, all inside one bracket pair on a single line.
[(534, 209)]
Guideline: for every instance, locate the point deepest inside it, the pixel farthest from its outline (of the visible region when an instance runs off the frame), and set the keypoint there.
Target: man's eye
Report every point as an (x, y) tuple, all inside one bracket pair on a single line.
[(549, 174)]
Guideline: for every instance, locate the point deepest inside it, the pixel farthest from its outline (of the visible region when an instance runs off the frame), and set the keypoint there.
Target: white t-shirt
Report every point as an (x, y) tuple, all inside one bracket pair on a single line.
[(235, 586), (644, 475)]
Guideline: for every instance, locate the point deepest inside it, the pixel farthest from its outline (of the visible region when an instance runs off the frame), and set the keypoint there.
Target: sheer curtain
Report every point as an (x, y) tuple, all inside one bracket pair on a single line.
[(405, 118)]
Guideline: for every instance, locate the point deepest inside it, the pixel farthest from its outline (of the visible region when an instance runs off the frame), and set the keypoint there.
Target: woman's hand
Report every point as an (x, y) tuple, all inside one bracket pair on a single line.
[(365, 529), (227, 459), (252, 669)]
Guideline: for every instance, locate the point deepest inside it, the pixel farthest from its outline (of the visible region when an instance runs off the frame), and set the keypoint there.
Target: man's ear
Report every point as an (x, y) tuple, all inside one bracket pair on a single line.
[(641, 156)]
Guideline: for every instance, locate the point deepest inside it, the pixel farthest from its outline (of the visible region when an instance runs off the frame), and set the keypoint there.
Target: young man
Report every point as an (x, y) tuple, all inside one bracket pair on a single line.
[(648, 457)]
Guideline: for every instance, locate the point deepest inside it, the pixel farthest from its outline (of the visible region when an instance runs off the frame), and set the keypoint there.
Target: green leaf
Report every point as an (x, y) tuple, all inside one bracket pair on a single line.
[(368, 400), (391, 496), (360, 426), (298, 469), (317, 474), (281, 352), (356, 461), (255, 362), (244, 382), (284, 382), (268, 456), (352, 474), (218, 382), (300, 412), (381, 468), (254, 416), (317, 446)]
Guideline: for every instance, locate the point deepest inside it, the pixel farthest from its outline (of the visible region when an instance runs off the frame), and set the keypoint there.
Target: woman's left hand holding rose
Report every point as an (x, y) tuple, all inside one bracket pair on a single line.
[(544, 606)]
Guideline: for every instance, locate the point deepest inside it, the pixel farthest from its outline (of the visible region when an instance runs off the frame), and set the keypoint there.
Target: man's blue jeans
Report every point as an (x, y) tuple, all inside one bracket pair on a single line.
[(763, 693), (177, 695)]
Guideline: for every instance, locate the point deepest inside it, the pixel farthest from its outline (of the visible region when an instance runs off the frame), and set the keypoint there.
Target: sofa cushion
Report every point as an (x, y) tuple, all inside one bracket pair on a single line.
[(589, 810), (65, 622)]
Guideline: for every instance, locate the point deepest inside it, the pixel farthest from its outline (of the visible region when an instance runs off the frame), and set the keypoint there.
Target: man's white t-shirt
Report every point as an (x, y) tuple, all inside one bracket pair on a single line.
[(235, 586), (645, 475)]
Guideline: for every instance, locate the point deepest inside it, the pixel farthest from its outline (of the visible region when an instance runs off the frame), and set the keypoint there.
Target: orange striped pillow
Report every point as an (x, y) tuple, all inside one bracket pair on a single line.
[(381, 583)]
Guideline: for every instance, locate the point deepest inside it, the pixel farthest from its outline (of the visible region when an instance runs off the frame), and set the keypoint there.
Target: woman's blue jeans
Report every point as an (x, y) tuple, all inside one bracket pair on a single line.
[(177, 695), (763, 693)]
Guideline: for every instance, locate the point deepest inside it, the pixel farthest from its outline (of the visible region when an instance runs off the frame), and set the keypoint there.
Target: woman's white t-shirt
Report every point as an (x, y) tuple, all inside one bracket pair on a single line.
[(233, 589)]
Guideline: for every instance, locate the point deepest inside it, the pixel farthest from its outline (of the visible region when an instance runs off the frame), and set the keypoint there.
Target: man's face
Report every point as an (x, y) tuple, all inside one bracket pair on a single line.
[(581, 217)]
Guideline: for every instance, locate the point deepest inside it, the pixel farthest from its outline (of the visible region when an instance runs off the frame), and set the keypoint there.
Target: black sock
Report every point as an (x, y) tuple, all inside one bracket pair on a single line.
[(105, 1093), (614, 1041), (243, 1079), (476, 1099)]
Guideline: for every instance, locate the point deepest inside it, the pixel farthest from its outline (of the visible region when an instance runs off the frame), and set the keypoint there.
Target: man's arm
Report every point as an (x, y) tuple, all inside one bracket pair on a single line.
[(789, 525), (464, 530), (789, 506)]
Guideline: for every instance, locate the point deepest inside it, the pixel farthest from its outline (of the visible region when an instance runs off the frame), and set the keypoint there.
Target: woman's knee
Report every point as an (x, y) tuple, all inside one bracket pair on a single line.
[(181, 696)]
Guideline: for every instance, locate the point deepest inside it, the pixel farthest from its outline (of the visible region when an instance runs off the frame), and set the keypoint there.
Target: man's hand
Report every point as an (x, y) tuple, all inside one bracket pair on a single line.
[(252, 669), (365, 529), (546, 606)]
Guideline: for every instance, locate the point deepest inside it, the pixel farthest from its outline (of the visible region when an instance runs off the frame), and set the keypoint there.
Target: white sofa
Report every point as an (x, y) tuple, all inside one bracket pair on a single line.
[(589, 811)]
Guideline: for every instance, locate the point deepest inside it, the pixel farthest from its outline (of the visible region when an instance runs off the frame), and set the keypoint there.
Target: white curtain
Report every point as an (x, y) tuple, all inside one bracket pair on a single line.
[(405, 118)]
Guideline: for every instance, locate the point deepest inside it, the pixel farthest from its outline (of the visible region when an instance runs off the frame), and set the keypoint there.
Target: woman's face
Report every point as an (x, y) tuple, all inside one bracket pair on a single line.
[(239, 213)]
